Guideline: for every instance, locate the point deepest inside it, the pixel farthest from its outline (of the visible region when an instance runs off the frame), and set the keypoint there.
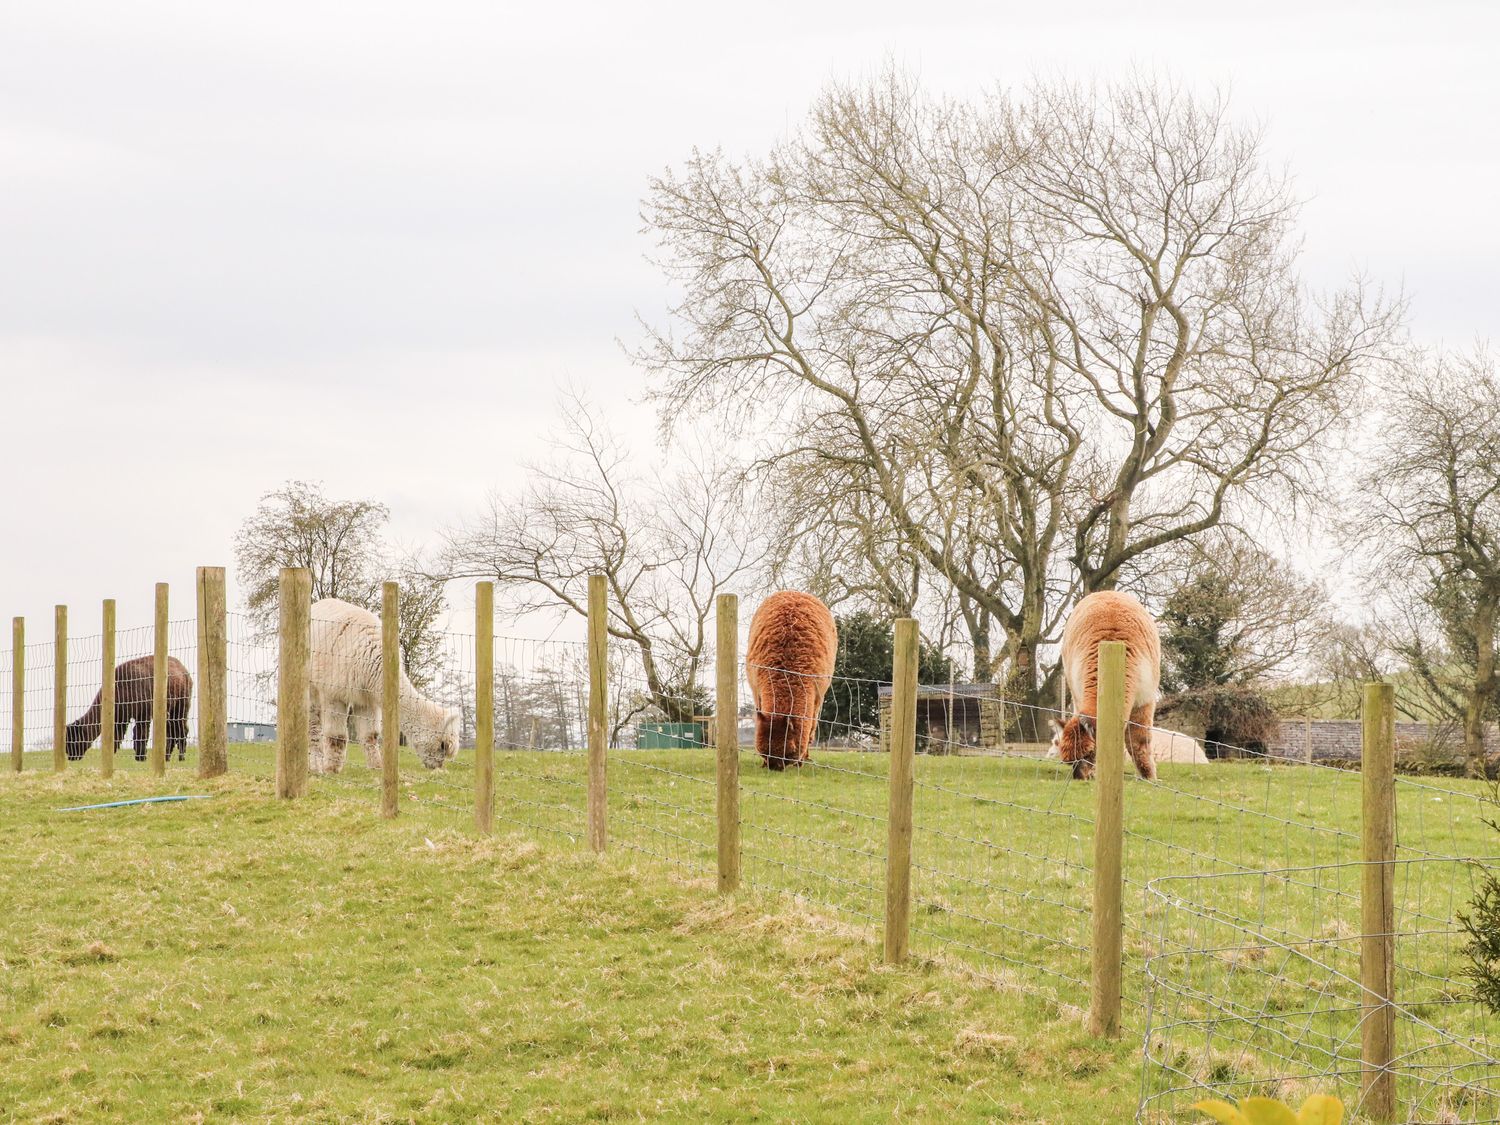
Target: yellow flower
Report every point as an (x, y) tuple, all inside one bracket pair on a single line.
[(1320, 1109)]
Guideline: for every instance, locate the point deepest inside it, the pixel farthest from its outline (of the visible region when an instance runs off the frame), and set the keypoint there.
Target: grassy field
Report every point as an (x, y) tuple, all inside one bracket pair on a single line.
[(241, 959)]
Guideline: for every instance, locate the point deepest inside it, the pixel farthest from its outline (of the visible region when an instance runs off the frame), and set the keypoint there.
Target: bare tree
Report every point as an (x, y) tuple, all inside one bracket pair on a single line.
[(667, 544), (421, 609), (1237, 615), (1430, 515), (1341, 659), (341, 543), (338, 541), (1048, 335)]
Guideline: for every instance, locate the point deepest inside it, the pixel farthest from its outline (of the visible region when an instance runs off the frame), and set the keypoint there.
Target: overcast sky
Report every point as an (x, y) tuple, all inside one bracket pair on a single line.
[(364, 243)]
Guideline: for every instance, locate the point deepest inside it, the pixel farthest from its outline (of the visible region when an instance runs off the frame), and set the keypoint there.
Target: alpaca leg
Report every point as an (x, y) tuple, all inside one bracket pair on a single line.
[(315, 755), (335, 739), (142, 737), (367, 731), (1138, 741)]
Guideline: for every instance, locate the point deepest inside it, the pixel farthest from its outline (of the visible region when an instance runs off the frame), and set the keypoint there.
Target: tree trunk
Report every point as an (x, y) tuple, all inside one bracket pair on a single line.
[(1478, 704), (979, 637), (1021, 682)]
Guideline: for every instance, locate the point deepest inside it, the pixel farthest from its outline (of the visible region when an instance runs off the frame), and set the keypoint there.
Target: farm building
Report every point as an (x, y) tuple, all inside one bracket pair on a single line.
[(970, 715), (252, 732)]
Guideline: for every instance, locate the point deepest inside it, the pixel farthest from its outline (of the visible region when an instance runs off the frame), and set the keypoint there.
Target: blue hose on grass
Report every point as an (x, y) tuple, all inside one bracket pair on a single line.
[(140, 801)]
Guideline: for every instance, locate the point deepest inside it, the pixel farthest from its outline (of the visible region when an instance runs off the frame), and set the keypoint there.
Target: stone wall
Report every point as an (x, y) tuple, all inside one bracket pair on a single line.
[(1327, 739)]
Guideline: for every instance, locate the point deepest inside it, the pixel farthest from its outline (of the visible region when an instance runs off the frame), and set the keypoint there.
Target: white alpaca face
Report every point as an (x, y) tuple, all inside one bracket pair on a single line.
[(434, 747)]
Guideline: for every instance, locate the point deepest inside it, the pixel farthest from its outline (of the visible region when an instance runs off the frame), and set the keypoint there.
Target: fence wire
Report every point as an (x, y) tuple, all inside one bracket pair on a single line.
[(1241, 871), (1255, 992)]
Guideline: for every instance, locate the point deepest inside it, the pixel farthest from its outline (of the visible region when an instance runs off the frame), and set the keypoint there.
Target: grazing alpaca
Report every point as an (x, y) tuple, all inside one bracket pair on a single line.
[(133, 704), (345, 677), (1109, 616), (1170, 746), (789, 664)]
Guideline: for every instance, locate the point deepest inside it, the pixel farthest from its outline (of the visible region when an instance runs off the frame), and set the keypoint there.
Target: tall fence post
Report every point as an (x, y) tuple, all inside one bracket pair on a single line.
[(1377, 945), (1109, 839), (213, 673), (598, 710), (159, 686), (60, 689), (484, 708), (899, 802), (18, 693), (390, 698), (107, 692), (727, 738), (295, 643)]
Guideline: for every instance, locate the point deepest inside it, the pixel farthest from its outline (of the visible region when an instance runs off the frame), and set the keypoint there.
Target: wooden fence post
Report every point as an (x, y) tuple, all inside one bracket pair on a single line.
[(598, 710), (390, 698), (107, 692), (159, 686), (1109, 840), (1377, 945), (899, 801), (18, 693), (295, 638), (727, 738), (60, 689), (484, 708), (213, 673)]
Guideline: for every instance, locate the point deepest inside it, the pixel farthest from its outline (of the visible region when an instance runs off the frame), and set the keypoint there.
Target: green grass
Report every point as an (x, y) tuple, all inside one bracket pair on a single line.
[(244, 959)]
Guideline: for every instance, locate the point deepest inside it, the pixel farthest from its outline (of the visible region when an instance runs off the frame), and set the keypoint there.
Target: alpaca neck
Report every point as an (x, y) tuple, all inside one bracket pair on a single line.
[(418, 709)]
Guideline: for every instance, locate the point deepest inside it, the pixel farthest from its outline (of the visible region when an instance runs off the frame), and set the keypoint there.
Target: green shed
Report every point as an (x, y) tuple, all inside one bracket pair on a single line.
[(671, 736)]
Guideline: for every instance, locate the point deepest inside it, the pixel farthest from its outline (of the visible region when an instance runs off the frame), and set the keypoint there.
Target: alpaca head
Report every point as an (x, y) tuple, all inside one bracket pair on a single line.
[(782, 740), (1073, 742), (78, 740), (437, 741)]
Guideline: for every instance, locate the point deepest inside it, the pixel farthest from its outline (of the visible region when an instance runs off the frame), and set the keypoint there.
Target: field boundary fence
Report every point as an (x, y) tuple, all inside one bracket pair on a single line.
[(1263, 925)]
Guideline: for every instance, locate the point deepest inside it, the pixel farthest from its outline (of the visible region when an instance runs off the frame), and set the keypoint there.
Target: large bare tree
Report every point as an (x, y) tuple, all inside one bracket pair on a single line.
[(1048, 334), (1429, 512), (667, 542)]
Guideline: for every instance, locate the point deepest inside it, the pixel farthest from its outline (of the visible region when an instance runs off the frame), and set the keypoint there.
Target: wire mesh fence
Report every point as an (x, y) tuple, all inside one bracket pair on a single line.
[(1241, 872), (1256, 991)]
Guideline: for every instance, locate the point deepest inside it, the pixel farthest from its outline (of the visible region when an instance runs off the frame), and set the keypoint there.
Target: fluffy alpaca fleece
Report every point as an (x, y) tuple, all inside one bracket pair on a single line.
[(1109, 615), (133, 688), (789, 664), (345, 674), (1171, 746)]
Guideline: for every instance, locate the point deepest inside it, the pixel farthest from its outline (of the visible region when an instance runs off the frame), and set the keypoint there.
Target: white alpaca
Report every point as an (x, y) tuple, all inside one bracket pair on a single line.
[(1172, 746), (1168, 746), (345, 677)]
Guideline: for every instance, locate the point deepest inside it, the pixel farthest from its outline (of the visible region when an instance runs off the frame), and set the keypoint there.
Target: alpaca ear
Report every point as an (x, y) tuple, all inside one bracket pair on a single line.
[(1088, 724)]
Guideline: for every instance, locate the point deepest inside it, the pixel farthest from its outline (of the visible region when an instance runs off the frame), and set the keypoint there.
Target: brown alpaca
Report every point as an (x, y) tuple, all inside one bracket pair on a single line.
[(789, 664), (1109, 616), (133, 704)]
